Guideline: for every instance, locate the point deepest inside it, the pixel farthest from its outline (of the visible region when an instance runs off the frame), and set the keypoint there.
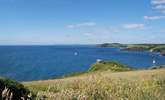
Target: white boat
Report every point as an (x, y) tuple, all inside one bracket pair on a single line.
[(98, 60), (75, 53), (153, 61)]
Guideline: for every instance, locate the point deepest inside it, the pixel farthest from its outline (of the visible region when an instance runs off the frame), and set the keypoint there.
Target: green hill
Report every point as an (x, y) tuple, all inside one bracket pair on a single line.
[(113, 45), (137, 47), (108, 65)]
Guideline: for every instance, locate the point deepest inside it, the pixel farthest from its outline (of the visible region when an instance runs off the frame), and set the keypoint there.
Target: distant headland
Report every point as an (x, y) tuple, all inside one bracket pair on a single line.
[(160, 48)]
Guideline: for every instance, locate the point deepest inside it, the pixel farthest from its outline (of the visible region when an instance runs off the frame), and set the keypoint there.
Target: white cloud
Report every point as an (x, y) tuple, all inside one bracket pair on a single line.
[(134, 26), (85, 24), (88, 34), (107, 30), (154, 17), (157, 2), (159, 5)]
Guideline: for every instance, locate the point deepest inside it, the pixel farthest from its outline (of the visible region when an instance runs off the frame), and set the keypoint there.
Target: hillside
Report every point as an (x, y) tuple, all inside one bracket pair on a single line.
[(103, 85), (133, 85), (114, 45), (137, 47), (108, 66)]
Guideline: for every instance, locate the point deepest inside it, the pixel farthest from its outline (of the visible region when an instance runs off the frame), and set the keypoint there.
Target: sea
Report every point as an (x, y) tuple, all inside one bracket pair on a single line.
[(35, 62)]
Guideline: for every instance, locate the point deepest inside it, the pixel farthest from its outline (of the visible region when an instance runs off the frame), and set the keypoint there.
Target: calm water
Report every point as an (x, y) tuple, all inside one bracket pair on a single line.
[(26, 63)]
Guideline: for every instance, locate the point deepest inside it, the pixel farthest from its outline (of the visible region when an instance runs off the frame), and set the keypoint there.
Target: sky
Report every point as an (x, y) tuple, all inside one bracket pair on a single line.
[(81, 21)]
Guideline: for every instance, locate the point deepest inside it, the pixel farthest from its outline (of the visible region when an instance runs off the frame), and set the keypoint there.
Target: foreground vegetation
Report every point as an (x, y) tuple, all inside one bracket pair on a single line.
[(132, 85), (104, 82), (12, 90)]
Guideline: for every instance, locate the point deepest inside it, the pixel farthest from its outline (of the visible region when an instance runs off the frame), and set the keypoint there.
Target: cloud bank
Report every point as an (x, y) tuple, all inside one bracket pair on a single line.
[(154, 17), (85, 24), (159, 5), (134, 26)]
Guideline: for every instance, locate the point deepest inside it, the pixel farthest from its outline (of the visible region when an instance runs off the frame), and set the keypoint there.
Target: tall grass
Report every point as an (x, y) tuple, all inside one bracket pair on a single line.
[(103, 86)]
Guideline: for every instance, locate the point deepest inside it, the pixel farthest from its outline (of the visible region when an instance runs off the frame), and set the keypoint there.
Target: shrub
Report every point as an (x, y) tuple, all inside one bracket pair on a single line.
[(16, 88)]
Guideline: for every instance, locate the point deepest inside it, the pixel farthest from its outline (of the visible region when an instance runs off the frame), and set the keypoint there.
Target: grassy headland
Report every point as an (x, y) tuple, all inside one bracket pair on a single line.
[(108, 66), (137, 47), (102, 66), (114, 45)]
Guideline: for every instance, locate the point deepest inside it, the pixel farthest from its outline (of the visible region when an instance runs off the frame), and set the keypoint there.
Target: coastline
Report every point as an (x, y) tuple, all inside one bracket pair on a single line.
[(101, 76), (157, 48)]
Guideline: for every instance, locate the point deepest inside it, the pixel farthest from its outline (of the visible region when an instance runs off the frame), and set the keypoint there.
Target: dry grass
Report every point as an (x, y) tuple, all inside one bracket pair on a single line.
[(132, 85)]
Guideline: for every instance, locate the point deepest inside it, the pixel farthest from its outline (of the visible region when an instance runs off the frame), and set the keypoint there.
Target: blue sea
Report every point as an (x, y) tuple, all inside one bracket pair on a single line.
[(26, 63)]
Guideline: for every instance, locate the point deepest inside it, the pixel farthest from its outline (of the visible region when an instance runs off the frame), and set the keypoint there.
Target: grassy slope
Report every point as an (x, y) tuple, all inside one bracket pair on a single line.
[(106, 85), (155, 48), (108, 65)]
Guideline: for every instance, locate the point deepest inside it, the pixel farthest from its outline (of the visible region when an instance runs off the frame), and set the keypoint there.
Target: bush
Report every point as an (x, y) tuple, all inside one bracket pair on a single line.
[(16, 88)]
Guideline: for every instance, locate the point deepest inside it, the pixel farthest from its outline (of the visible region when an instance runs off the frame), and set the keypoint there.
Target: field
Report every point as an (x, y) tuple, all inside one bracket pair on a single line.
[(104, 85)]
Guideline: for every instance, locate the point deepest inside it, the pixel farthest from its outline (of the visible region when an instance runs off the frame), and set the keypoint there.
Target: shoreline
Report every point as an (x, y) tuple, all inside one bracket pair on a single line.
[(155, 48)]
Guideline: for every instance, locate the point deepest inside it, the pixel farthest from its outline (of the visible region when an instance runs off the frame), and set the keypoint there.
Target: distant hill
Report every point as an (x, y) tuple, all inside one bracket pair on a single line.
[(114, 45), (137, 47)]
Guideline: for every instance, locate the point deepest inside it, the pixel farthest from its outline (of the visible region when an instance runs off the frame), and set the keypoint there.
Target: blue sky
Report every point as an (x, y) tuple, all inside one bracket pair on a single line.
[(81, 21)]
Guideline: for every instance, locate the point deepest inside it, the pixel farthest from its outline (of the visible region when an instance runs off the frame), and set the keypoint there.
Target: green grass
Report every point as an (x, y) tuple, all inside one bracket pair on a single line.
[(154, 48), (137, 47), (104, 85), (72, 74), (108, 65), (159, 49), (101, 66)]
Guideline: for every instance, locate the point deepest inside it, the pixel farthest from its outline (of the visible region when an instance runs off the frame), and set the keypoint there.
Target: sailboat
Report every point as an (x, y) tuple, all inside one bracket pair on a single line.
[(154, 62), (75, 53)]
